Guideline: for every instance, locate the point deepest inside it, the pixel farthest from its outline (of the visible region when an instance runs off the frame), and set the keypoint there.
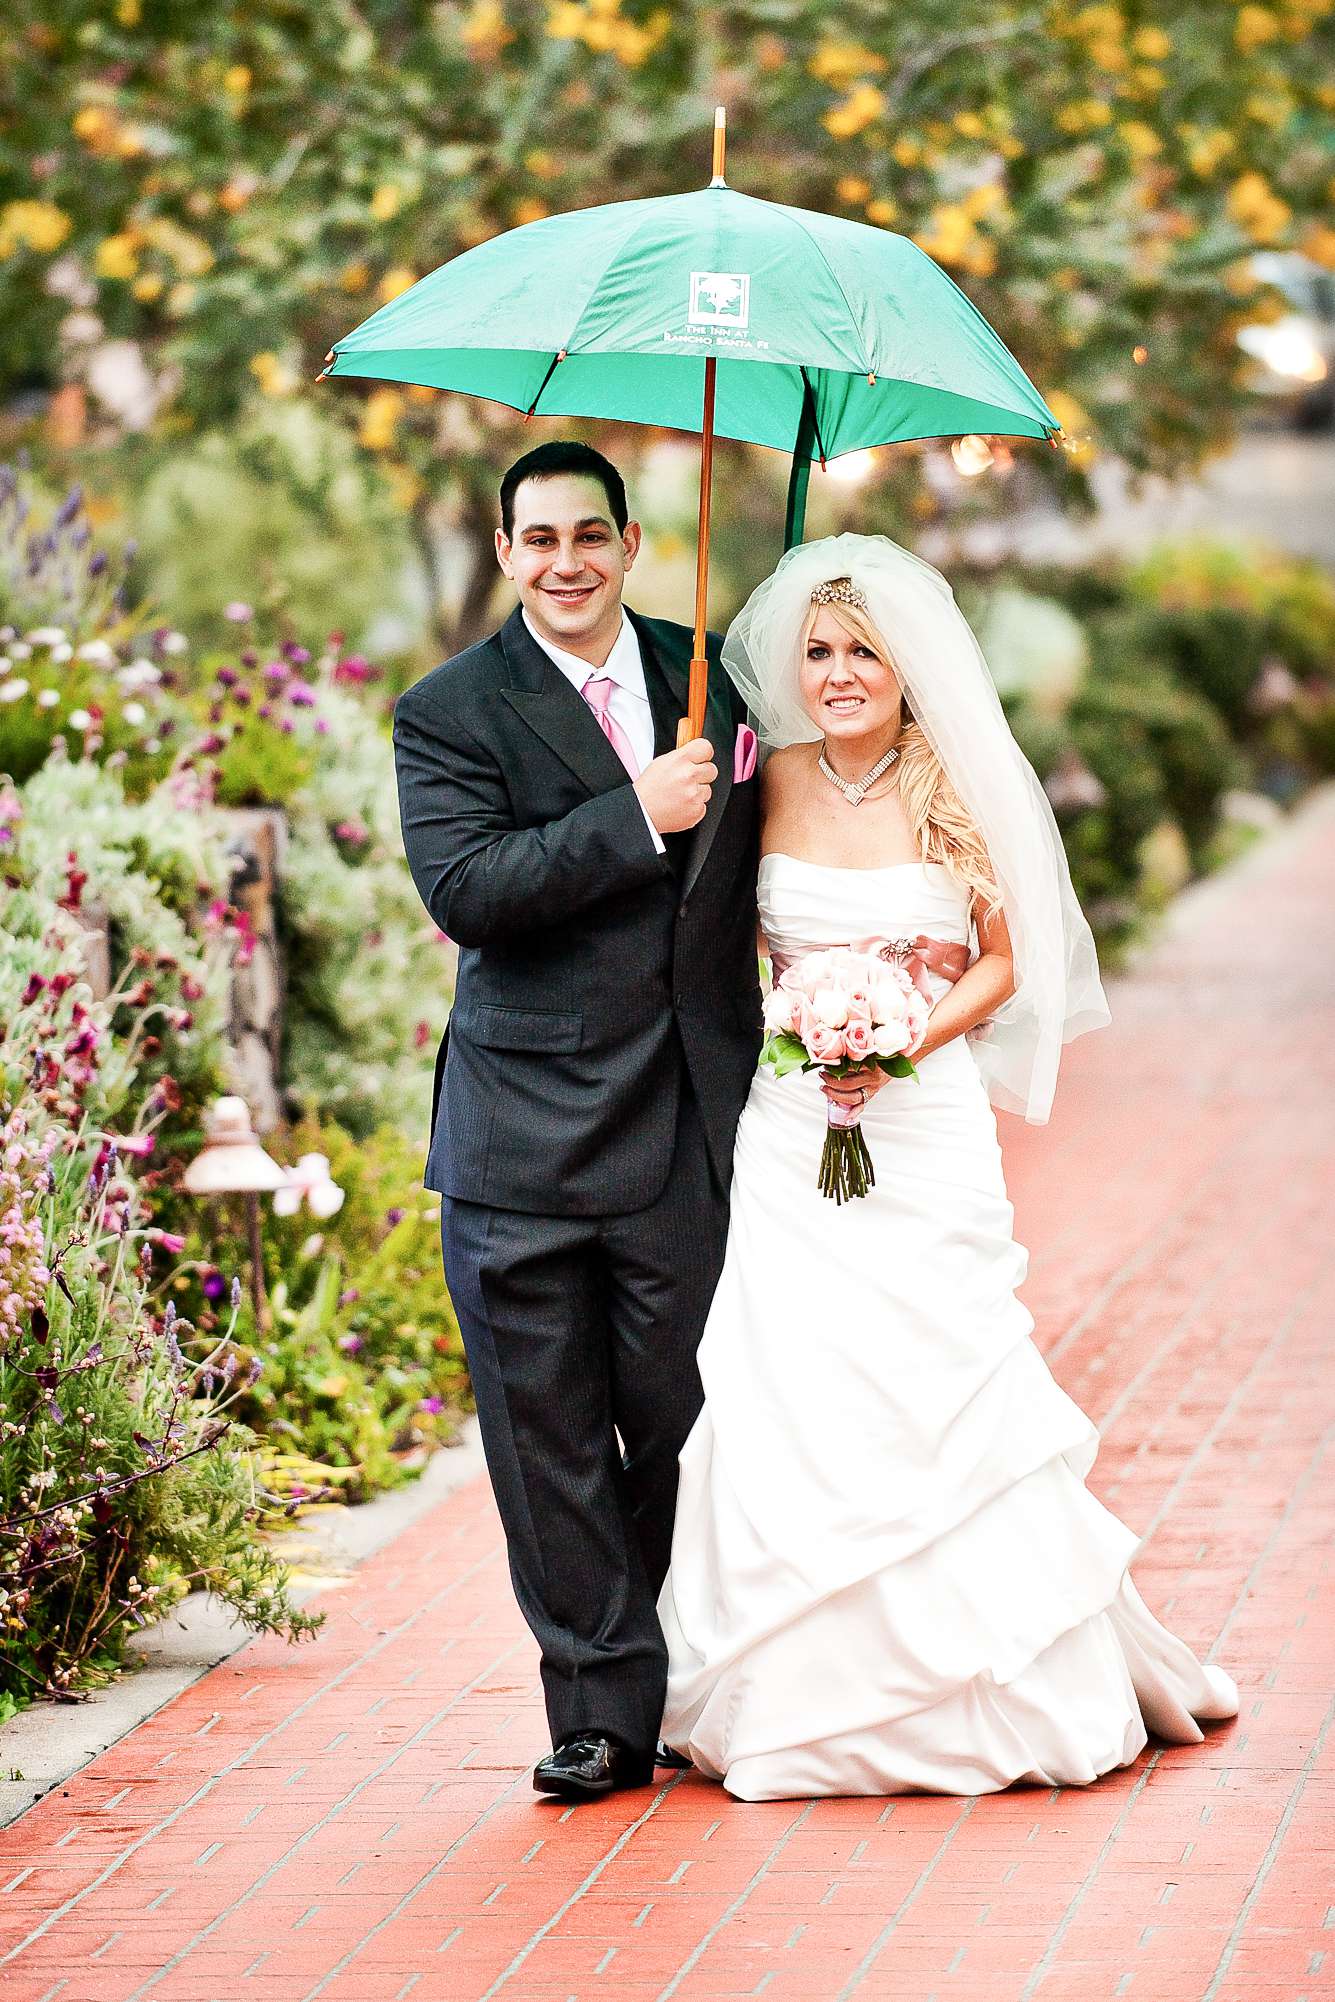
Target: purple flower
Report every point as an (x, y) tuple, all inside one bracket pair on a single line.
[(301, 695), (298, 655), (236, 1291), (214, 1285), (394, 1216), (276, 670), (351, 1345), (432, 1405), (238, 611)]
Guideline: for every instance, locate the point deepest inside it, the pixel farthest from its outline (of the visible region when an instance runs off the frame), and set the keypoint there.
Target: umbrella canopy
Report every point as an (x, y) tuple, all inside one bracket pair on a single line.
[(612, 312), (716, 312)]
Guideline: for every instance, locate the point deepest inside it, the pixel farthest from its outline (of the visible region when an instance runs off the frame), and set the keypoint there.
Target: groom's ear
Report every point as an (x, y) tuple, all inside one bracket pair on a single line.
[(503, 552), (632, 535)]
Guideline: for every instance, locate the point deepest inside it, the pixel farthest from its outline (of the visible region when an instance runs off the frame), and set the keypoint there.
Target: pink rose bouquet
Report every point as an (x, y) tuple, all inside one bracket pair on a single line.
[(839, 1010)]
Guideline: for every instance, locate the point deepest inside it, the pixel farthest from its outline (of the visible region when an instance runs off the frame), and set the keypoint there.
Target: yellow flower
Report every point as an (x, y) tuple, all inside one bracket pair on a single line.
[(530, 209), (1269, 107), (1318, 243), (189, 253), (841, 64), (852, 189), (275, 374), (1108, 54), (380, 419), (1256, 208), (540, 164), (484, 30), (1206, 150), (1084, 114), (385, 202), (948, 235), (117, 256), (147, 286), (1254, 27), (856, 113), (1141, 140), (237, 80), (1153, 43), (882, 210), (96, 127), (969, 125), (395, 280), (181, 298), (907, 151), (981, 201), (128, 12), (565, 21), (354, 277), (39, 225)]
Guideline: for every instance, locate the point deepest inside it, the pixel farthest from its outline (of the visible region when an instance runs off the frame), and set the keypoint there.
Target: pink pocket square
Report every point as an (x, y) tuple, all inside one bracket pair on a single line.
[(744, 755)]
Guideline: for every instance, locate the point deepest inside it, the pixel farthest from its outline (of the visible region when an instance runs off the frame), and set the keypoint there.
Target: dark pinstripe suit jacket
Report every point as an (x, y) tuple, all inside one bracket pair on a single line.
[(592, 971)]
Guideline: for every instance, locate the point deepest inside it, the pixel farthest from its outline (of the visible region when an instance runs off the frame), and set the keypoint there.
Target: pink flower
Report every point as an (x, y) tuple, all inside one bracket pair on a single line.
[(825, 1045), (858, 1039)]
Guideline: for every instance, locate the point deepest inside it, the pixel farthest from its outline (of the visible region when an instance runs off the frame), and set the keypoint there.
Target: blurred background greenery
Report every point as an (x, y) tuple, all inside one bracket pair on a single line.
[(216, 572)]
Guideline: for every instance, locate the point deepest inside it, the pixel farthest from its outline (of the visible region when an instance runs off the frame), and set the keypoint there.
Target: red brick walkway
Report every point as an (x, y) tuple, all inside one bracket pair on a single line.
[(354, 1819)]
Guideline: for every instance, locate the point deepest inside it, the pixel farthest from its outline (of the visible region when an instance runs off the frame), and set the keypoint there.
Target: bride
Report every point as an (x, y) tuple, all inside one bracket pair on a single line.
[(887, 1572)]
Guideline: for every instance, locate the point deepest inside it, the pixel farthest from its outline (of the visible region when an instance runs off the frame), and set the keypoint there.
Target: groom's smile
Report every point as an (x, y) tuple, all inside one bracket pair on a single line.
[(568, 561)]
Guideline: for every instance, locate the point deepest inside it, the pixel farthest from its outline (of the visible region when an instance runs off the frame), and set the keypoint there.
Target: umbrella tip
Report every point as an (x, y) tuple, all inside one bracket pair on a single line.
[(720, 144)]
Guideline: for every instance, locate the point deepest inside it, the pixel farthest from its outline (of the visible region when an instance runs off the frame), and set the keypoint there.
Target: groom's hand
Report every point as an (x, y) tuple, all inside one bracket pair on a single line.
[(674, 790)]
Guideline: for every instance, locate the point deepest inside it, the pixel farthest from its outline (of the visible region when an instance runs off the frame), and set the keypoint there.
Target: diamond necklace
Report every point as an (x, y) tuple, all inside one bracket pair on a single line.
[(855, 790)]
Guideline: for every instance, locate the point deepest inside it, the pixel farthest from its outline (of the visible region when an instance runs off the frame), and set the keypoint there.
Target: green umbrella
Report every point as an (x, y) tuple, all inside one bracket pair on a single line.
[(710, 311)]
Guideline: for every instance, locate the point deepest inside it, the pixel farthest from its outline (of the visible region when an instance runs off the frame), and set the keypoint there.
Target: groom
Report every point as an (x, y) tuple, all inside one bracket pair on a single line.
[(600, 885)]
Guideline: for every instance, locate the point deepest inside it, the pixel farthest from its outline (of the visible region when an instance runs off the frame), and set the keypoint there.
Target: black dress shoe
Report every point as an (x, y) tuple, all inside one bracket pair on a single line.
[(678, 1761), (590, 1764)]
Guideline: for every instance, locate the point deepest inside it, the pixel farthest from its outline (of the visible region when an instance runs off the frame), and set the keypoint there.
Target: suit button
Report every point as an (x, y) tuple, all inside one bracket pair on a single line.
[(679, 1000), (682, 912)]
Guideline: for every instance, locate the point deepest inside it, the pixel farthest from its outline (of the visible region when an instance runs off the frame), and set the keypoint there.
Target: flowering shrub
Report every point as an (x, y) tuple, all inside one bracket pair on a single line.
[(126, 1477)]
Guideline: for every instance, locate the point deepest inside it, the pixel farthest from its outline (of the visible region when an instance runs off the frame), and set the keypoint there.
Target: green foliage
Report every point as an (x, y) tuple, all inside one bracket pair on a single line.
[(269, 512), (364, 1369)]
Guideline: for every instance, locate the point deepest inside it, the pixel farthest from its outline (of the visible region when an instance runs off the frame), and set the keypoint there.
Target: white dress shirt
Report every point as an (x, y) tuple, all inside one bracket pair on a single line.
[(629, 701)]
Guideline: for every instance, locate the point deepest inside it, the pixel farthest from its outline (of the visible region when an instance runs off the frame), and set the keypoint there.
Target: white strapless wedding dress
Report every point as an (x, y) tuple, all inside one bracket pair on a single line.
[(887, 1572)]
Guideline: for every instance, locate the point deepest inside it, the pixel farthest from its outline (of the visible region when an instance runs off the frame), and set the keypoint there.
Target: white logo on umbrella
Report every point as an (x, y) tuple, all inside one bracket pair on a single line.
[(720, 299)]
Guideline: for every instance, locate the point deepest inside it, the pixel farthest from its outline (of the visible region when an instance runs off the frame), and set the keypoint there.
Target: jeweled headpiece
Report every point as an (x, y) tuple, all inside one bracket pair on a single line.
[(840, 591)]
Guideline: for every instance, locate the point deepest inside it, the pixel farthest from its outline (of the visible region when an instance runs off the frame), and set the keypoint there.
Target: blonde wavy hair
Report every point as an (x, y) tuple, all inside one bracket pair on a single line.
[(941, 825)]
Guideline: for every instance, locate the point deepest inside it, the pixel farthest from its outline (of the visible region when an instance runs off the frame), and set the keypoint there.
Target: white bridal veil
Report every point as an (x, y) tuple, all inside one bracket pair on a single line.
[(941, 667)]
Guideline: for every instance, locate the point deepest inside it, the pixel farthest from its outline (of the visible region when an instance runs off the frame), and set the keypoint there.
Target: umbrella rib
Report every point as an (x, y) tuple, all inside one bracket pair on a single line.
[(819, 249), (551, 371)]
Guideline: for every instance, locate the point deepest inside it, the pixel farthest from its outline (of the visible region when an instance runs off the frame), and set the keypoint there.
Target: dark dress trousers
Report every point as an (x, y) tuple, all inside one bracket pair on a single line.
[(604, 1033)]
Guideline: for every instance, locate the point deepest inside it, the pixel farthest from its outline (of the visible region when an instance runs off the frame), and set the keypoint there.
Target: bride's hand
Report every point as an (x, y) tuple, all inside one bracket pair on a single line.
[(858, 1088)]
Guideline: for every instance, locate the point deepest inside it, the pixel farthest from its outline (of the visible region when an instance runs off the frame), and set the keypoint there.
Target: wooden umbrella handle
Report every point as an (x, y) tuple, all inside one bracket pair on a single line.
[(693, 722)]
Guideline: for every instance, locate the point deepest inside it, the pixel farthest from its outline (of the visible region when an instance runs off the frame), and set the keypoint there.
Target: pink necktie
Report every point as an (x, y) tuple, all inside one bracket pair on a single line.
[(597, 692)]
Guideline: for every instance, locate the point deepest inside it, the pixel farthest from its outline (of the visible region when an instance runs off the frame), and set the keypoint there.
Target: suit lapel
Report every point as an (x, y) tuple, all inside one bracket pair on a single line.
[(667, 675), (540, 693)]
